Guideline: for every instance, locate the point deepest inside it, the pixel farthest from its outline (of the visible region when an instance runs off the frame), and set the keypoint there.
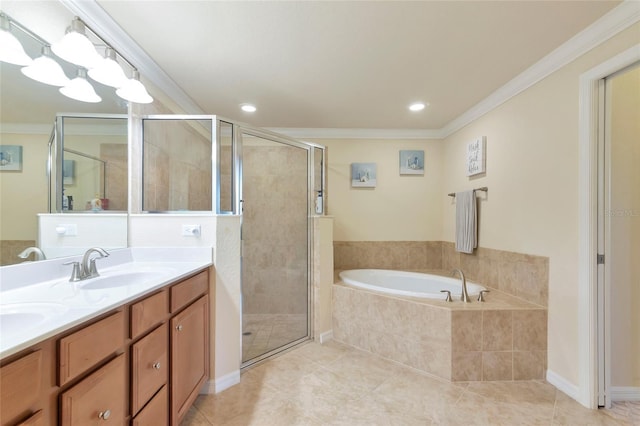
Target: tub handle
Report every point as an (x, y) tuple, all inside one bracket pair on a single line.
[(481, 295), (448, 299)]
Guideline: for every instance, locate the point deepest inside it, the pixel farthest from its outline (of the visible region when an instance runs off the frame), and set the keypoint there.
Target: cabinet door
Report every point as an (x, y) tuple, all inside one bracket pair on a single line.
[(156, 412), (189, 356), (101, 396), (149, 366), (20, 387)]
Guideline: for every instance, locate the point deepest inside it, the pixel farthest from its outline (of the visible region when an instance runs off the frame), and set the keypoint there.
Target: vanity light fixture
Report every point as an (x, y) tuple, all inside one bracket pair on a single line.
[(80, 89), (75, 46), (46, 70), (248, 108), (109, 72), (11, 50), (134, 91), (417, 106)]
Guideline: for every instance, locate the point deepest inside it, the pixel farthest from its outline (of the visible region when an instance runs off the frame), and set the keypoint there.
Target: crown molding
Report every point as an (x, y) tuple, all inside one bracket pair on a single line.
[(610, 24), (335, 133)]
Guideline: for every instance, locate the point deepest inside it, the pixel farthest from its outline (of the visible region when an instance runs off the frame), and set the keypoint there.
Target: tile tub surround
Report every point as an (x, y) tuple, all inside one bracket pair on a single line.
[(521, 275), (503, 339)]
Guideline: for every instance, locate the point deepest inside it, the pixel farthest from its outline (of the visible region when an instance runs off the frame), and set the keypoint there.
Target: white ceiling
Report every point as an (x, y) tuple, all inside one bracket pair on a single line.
[(320, 64), (315, 64)]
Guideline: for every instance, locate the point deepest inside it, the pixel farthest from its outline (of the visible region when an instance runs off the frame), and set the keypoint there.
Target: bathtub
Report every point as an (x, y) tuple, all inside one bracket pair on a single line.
[(403, 283)]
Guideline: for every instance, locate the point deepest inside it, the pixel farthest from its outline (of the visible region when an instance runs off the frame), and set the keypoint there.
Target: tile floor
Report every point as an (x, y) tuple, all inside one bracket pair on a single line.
[(332, 384), (265, 332)]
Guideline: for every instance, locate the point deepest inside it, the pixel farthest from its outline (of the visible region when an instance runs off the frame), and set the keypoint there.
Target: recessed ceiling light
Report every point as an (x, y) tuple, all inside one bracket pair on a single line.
[(417, 106), (248, 108)]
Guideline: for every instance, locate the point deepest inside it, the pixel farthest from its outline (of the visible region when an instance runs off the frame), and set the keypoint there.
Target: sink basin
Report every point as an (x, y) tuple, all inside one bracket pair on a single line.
[(119, 280), (16, 317)]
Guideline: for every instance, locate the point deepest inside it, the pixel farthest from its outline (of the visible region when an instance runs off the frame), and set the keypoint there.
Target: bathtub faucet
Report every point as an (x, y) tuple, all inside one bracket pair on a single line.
[(465, 295)]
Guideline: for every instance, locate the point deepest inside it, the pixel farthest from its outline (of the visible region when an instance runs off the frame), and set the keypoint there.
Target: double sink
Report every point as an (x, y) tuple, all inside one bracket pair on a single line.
[(33, 312)]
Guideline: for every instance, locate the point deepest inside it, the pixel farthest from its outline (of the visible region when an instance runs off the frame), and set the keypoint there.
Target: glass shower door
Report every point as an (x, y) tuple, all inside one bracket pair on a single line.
[(275, 246)]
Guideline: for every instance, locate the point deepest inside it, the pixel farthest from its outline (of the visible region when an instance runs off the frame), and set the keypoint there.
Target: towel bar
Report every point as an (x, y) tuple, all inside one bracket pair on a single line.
[(484, 188)]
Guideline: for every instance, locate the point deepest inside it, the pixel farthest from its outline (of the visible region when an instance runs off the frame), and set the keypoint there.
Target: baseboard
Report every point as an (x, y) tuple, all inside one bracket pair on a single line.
[(326, 336), (563, 385), (620, 393), (208, 388), (225, 382)]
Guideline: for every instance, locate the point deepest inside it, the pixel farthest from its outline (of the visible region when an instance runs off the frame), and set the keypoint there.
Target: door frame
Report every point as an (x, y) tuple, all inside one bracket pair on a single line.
[(589, 103)]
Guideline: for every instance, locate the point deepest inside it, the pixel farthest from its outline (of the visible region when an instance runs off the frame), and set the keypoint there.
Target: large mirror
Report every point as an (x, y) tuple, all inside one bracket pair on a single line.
[(28, 110)]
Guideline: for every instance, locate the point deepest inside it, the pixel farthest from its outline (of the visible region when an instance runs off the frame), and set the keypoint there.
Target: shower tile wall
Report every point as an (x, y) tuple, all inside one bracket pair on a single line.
[(177, 172), (272, 248), (521, 275), (116, 173)]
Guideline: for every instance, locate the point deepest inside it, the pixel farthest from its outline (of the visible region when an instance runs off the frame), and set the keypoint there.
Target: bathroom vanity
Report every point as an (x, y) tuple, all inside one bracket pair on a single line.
[(141, 362)]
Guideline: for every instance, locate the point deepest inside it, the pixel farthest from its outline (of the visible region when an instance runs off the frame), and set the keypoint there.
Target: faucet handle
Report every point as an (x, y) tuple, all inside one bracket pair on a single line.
[(481, 295), (448, 298), (76, 273)]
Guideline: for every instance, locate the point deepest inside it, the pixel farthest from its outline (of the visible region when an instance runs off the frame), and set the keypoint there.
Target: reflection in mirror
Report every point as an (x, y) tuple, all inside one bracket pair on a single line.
[(94, 164), (177, 165), (28, 110), (225, 168)]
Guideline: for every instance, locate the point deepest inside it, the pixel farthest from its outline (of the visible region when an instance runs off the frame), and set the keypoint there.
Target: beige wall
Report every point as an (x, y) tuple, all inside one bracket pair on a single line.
[(624, 219), (24, 194), (532, 175), (400, 208)]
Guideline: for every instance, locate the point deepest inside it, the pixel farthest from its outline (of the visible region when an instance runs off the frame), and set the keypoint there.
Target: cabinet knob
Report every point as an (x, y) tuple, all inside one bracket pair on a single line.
[(156, 365), (179, 327), (104, 415)]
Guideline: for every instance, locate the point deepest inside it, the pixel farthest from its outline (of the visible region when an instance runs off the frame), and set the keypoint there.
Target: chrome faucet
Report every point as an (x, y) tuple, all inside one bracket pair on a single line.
[(89, 269), (465, 296), (39, 255)]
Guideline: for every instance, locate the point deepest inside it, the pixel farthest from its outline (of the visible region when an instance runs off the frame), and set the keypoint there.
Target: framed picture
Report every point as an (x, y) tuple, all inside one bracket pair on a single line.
[(477, 156), (11, 158), (68, 172), (363, 175), (411, 162)]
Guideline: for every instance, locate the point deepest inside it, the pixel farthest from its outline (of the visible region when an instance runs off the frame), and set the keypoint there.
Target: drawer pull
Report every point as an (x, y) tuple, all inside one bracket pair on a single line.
[(179, 327), (156, 366), (104, 415)]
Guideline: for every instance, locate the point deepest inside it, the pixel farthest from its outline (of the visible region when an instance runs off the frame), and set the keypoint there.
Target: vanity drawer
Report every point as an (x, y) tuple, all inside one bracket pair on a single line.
[(148, 313), (189, 290), (80, 351), (20, 384), (156, 412), (149, 366), (101, 396)]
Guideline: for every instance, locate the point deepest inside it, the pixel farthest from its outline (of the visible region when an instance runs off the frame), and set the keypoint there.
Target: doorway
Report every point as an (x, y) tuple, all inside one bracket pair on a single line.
[(275, 244), (619, 237)]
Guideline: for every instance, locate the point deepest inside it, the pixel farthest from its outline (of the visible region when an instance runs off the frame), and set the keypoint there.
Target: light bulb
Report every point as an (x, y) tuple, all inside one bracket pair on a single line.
[(108, 72), (46, 70), (80, 89), (75, 47), (11, 50), (134, 91)]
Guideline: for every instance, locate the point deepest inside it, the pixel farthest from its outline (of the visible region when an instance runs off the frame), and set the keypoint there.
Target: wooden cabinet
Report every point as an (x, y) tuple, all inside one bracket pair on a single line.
[(86, 347), (189, 356), (101, 396), (20, 386), (142, 363), (156, 413), (149, 366)]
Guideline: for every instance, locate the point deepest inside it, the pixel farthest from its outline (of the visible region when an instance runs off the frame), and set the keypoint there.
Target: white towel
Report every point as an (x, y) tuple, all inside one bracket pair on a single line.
[(466, 222)]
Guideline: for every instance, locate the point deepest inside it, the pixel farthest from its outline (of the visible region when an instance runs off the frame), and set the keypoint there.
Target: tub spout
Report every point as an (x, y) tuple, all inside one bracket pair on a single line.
[(39, 255), (465, 296)]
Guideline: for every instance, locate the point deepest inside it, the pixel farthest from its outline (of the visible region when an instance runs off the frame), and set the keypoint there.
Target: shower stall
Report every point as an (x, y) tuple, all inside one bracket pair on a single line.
[(273, 183)]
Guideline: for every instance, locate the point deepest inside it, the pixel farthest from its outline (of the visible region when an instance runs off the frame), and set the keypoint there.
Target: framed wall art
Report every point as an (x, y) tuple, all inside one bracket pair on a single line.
[(11, 158), (363, 175), (411, 162), (477, 156)]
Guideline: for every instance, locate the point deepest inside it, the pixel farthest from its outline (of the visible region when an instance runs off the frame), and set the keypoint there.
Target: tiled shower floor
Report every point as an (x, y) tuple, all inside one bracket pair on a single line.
[(332, 384), (262, 333)]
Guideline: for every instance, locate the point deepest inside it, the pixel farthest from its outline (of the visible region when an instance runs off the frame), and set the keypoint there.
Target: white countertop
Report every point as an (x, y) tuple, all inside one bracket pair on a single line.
[(37, 301)]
